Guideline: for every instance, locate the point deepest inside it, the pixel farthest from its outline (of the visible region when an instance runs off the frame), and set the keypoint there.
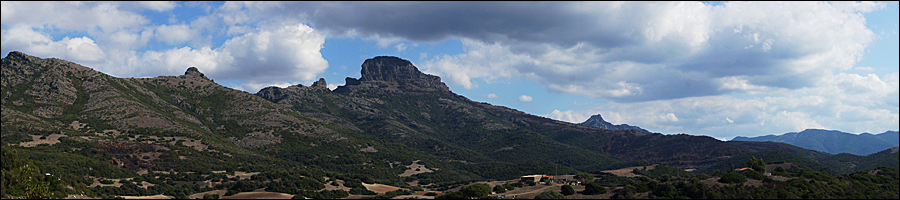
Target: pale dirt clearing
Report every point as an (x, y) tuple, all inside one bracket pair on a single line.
[(52, 139), (626, 172), (242, 175), (380, 188), (340, 186), (415, 168)]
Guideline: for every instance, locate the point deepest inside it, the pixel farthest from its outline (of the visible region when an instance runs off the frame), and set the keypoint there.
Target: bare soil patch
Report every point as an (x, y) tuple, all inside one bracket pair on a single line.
[(380, 188), (626, 172), (415, 168), (369, 149), (52, 139), (340, 186), (259, 195), (242, 175), (77, 125)]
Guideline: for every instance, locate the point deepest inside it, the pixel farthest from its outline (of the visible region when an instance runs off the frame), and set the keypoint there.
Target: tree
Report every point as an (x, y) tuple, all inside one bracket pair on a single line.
[(499, 189), (476, 190), (584, 177), (593, 188), (550, 194), (567, 190), (757, 164)]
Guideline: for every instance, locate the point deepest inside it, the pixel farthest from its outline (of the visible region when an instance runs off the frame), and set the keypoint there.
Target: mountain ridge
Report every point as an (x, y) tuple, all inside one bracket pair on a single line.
[(391, 116), (833, 141)]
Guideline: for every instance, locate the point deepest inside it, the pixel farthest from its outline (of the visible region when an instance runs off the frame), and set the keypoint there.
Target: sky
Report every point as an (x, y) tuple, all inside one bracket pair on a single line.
[(721, 69)]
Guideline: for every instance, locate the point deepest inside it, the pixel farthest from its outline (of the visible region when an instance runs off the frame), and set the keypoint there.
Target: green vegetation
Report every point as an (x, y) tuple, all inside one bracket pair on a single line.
[(499, 189), (476, 190), (757, 165), (567, 190), (550, 194), (733, 177), (593, 188)]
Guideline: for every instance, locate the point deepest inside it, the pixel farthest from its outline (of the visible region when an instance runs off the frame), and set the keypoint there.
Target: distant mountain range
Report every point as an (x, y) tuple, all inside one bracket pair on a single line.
[(597, 121), (833, 142)]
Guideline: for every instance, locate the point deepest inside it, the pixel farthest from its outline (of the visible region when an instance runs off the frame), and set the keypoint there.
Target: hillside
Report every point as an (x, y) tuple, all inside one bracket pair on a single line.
[(834, 142), (172, 131)]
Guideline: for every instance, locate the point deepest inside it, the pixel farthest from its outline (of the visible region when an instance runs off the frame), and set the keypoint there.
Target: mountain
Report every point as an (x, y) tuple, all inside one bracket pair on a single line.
[(597, 121), (72, 120), (834, 142), (394, 102)]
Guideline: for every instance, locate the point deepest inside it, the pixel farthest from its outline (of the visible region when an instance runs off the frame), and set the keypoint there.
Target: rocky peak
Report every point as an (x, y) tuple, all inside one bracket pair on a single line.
[(193, 71), (394, 73), (320, 84), (597, 121)]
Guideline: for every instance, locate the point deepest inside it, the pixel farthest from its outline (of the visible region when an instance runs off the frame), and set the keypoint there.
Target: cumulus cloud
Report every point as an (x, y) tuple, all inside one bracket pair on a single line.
[(174, 34), (492, 95), (25, 39), (624, 51), (258, 58), (74, 16), (525, 98)]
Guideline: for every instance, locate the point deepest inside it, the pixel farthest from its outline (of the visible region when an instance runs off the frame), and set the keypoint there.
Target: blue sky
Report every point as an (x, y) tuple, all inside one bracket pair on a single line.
[(721, 69)]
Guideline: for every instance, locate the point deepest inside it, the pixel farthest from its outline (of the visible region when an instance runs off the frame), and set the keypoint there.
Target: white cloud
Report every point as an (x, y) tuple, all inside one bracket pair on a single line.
[(174, 34), (572, 116), (77, 16), (158, 6), (24, 39), (525, 98), (400, 47), (492, 95), (674, 50)]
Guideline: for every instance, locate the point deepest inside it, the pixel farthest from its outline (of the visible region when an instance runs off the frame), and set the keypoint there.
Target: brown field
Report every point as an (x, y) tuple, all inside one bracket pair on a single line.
[(259, 195), (626, 172)]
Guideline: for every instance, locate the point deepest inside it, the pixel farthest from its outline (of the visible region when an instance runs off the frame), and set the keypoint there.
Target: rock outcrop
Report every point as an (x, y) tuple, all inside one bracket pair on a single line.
[(392, 75), (193, 71), (597, 121)]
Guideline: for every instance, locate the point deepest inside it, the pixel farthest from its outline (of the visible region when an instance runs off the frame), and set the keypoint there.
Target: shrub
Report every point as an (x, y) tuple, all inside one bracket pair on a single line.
[(593, 188), (754, 175), (567, 190), (499, 189), (733, 177)]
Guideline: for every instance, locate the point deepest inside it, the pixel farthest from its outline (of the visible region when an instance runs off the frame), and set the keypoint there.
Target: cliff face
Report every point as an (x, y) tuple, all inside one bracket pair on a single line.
[(392, 75)]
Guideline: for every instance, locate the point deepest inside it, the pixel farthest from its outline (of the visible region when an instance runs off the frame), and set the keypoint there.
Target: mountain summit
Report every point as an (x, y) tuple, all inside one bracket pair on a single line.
[(597, 121), (392, 75)]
